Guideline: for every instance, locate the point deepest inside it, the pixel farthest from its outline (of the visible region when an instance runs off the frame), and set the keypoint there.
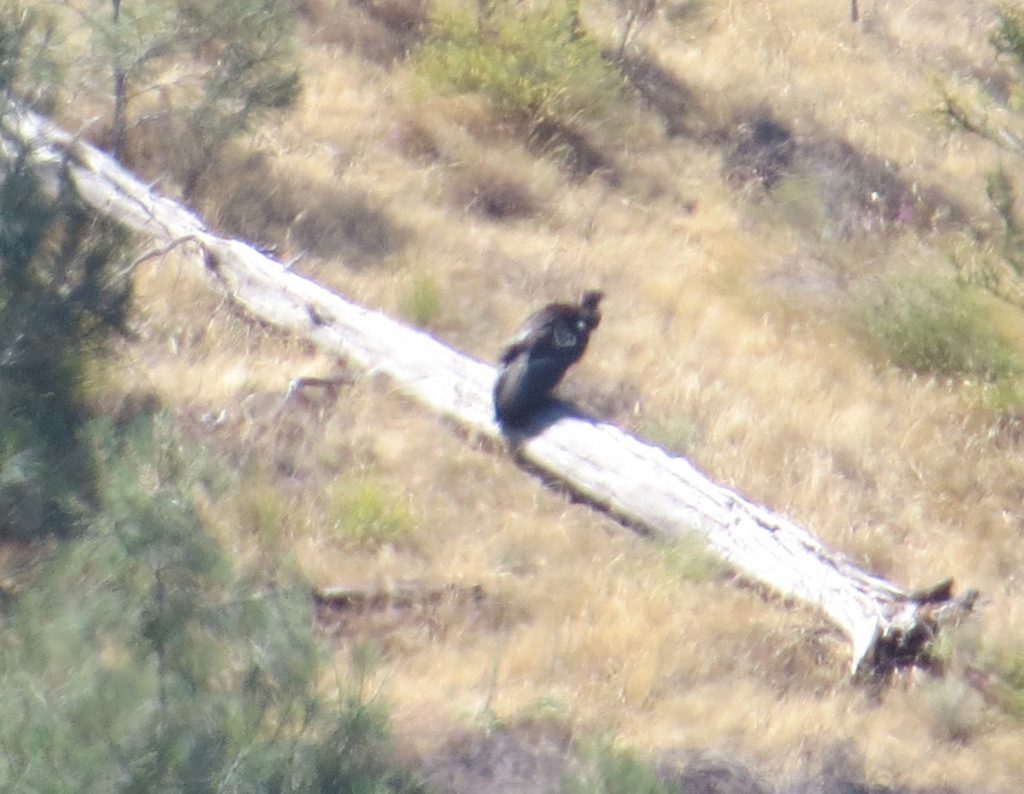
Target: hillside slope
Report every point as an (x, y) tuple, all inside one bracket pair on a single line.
[(772, 174)]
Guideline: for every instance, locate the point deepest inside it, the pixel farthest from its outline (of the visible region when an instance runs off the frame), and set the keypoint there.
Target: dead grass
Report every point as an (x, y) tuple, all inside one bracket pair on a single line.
[(758, 382), (577, 597)]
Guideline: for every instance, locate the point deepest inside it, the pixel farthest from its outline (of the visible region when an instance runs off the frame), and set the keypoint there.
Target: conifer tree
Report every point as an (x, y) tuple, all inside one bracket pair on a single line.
[(217, 66), (61, 301), (140, 661)]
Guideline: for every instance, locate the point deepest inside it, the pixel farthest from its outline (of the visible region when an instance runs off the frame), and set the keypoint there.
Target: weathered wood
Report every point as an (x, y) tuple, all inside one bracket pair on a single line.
[(403, 595), (641, 483), (381, 610)]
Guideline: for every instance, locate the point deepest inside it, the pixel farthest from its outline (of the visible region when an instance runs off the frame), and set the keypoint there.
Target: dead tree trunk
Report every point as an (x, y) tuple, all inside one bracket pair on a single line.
[(887, 625)]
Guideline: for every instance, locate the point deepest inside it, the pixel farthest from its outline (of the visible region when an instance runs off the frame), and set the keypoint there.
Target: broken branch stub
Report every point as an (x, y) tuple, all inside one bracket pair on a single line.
[(887, 625)]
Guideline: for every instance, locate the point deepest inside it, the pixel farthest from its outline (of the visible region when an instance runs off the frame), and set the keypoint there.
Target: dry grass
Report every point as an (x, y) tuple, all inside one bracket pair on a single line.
[(721, 337)]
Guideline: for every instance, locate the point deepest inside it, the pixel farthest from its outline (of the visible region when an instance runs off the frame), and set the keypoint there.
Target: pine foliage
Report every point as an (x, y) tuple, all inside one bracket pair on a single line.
[(216, 65), (141, 662), (62, 298)]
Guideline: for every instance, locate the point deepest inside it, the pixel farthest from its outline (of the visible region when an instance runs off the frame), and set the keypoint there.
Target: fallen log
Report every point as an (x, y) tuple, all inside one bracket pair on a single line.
[(887, 625)]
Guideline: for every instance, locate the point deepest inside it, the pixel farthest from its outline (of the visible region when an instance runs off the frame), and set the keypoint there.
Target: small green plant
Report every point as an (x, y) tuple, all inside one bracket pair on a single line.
[(368, 510), (1012, 700), (931, 329), (1003, 671), (675, 432), (689, 558), (607, 769), (532, 61), (421, 304), (999, 264)]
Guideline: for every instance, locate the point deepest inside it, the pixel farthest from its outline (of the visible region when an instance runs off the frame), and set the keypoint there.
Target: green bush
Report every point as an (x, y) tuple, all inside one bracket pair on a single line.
[(532, 61), (367, 510), (689, 558), (60, 301), (1003, 664), (1008, 38), (421, 304), (250, 56), (931, 329)]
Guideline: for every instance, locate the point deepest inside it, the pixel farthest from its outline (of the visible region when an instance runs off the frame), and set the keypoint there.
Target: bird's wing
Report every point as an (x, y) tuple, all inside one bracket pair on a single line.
[(537, 328)]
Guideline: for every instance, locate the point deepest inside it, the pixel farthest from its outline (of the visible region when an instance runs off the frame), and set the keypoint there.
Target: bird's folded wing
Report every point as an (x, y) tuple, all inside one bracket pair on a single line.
[(536, 330)]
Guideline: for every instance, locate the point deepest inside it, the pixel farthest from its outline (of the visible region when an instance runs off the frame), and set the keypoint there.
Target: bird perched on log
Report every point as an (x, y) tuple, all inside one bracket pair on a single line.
[(548, 343)]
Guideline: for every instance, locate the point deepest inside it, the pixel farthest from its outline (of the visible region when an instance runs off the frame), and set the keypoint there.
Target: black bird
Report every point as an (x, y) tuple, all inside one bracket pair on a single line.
[(548, 343)]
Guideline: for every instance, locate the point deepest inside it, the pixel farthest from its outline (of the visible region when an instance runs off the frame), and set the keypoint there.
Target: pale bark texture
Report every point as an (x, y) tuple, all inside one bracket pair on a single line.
[(662, 494)]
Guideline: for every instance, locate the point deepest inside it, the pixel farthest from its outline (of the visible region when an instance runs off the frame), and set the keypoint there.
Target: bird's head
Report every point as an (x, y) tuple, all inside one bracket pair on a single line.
[(591, 299), (590, 307)]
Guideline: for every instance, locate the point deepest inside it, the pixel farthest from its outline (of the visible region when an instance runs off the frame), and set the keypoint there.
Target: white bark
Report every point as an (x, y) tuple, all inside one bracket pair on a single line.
[(641, 483)]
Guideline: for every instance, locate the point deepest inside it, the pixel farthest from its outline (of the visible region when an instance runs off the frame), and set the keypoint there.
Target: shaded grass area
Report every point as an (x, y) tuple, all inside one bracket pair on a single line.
[(546, 758), (826, 187), (257, 201), (382, 31)]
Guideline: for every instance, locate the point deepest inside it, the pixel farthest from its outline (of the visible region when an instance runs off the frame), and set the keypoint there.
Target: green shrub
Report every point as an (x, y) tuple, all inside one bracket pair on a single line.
[(1008, 38), (931, 329), (368, 510), (421, 304), (690, 558), (64, 294), (1003, 662), (532, 61)]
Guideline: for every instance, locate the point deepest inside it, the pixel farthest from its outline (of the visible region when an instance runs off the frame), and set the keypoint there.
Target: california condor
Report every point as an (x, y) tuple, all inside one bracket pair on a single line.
[(548, 343)]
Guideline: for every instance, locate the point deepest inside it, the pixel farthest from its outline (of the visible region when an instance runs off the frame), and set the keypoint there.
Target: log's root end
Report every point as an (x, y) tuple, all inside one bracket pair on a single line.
[(908, 641), (901, 648)]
